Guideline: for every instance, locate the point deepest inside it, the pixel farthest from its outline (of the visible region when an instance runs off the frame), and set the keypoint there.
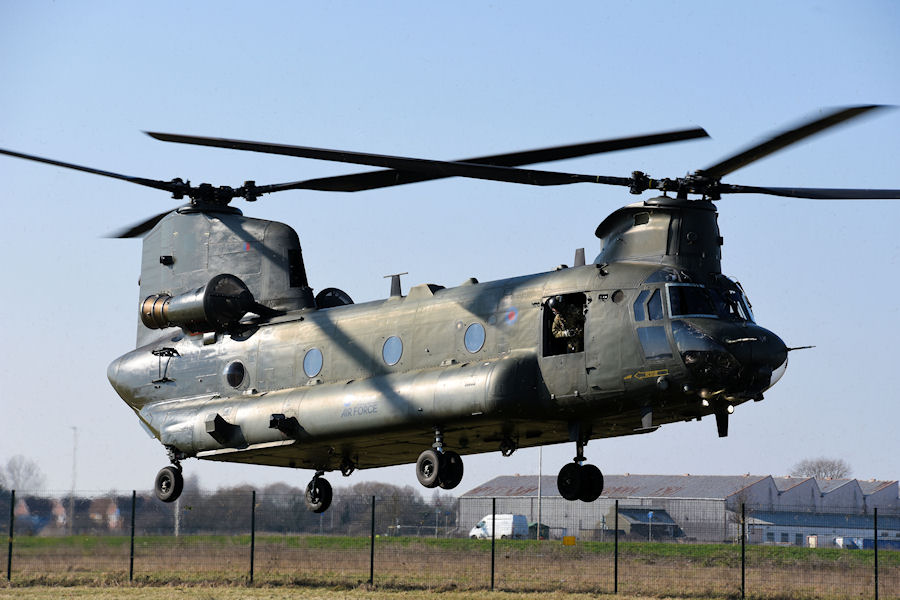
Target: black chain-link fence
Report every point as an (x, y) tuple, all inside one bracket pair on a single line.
[(653, 547)]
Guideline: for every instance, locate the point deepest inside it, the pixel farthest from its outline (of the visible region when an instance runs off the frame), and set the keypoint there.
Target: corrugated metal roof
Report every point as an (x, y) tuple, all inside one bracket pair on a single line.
[(829, 485), (785, 483), (871, 486), (624, 486), (660, 486)]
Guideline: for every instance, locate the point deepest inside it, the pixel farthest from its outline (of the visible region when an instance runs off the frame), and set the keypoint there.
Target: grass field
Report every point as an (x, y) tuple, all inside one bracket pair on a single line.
[(270, 593), (338, 567)]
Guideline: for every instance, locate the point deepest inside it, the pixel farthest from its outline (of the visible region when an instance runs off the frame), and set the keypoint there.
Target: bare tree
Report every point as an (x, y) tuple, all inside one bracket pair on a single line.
[(822, 468), (21, 473)]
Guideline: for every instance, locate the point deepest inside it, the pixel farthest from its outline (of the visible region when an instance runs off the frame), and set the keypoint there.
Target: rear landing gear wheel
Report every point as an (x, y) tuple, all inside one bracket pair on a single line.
[(451, 471), (428, 468), (591, 483), (569, 481), (580, 482), (318, 494), (169, 484)]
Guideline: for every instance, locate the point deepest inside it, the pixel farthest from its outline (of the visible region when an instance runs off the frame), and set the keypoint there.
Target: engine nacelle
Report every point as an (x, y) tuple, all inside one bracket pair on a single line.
[(217, 305)]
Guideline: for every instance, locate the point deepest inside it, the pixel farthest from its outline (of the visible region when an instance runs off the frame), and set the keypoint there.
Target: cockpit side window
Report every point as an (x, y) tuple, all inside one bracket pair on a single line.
[(639, 313), (690, 300), (731, 304), (654, 306)]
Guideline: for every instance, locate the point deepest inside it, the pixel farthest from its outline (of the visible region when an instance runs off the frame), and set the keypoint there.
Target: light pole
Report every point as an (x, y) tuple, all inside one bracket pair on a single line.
[(74, 474), (537, 533)]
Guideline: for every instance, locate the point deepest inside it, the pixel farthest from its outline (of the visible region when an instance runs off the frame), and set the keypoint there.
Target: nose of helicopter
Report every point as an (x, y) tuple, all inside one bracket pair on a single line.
[(762, 356), (739, 361)]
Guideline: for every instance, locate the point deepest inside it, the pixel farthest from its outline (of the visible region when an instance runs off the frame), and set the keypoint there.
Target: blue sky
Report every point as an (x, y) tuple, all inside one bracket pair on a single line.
[(80, 82)]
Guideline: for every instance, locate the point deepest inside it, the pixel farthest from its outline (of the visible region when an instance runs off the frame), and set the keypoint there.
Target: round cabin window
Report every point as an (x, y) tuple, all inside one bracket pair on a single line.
[(312, 362), (474, 337), (392, 350)]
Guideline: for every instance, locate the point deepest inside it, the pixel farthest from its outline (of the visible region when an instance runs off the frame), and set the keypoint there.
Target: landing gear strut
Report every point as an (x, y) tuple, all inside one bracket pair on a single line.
[(438, 467), (579, 481), (318, 493)]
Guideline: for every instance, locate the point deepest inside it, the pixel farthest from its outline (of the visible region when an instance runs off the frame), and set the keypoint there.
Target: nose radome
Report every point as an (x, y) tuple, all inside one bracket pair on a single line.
[(769, 355)]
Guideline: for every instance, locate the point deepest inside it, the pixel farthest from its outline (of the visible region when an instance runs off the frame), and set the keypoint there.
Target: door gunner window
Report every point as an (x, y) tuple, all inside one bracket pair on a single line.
[(563, 324)]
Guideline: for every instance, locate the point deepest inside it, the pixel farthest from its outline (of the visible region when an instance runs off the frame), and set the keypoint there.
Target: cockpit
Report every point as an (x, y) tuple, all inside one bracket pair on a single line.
[(724, 298), (714, 332), (696, 300)]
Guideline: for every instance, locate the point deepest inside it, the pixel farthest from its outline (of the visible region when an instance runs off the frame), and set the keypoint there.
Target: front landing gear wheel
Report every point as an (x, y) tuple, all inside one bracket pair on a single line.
[(451, 472), (569, 481), (318, 495), (169, 484), (428, 468)]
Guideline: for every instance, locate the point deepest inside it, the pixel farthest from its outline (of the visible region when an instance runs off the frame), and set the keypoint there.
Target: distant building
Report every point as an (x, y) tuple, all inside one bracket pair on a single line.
[(698, 507)]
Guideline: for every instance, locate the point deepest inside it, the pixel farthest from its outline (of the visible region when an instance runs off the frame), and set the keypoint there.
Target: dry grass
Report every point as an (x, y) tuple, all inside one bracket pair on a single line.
[(313, 567), (273, 593)]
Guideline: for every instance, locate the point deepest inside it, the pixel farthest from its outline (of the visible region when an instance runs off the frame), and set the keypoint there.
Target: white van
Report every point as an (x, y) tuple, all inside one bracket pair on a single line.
[(508, 527)]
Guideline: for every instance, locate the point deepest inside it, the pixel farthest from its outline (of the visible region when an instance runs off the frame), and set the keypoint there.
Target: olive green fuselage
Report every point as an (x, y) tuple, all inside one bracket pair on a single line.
[(371, 384)]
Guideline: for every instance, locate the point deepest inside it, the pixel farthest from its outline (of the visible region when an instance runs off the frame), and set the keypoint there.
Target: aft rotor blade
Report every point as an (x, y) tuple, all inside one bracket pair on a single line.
[(371, 180), (160, 185), (436, 168), (784, 139), (139, 229), (812, 193)]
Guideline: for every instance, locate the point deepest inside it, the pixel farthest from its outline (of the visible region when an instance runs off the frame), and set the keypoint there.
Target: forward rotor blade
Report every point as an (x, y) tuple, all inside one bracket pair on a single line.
[(160, 185), (371, 180), (812, 193), (436, 168), (782, 140), (139, 229)]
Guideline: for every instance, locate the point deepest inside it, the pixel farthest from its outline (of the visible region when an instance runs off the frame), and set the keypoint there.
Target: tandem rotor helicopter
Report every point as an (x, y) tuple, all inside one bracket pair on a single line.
[(238, 361)]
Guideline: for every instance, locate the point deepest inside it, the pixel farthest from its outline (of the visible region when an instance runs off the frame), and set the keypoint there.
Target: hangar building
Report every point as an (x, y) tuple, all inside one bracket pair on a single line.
[(780, 510)]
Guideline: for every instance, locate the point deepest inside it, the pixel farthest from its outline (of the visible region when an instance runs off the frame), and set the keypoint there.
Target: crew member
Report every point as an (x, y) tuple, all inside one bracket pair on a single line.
[(568, 323)]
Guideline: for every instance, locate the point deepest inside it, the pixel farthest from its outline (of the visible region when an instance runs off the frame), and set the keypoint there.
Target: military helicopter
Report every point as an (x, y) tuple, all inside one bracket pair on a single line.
[(236, 360)]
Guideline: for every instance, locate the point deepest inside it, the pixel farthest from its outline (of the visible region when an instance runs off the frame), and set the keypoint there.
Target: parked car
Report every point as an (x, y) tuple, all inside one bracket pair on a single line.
[(507, 527)]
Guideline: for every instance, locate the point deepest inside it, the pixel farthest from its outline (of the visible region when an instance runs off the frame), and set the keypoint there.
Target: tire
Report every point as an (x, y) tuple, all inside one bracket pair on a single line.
[(451, 471), (318, 495), (591, 483), (428, 468), (169, 484), (569, 481)]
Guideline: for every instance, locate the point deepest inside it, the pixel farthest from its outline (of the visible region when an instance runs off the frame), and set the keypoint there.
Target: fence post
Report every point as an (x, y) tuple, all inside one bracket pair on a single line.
[(875, 525), (252, 533), (493, 537), (12, 528), (131, 552), (616, 551), (372, 546), (743, 549)]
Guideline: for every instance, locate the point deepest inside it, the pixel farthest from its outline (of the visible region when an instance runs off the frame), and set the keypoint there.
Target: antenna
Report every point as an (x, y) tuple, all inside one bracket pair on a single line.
[(395, 283)]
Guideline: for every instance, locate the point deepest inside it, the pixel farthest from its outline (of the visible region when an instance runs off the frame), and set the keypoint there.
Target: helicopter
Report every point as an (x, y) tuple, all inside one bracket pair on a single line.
[(237, 360)]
